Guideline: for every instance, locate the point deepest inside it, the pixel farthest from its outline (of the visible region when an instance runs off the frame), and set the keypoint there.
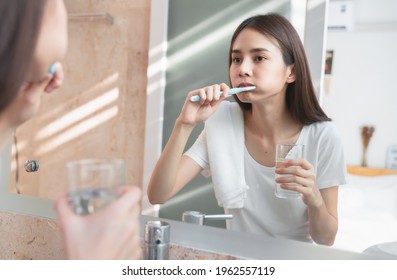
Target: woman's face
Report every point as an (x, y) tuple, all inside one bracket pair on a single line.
[(257, 60), (51, 47), (52, 41)]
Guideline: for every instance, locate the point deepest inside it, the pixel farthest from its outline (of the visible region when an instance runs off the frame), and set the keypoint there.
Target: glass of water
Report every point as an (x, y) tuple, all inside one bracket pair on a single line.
[(93, 183), (285, 152)]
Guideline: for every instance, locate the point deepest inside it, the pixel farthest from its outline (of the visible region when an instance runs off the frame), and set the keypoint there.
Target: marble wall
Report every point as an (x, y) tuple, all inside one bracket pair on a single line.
[(30, 238), (27, 238)]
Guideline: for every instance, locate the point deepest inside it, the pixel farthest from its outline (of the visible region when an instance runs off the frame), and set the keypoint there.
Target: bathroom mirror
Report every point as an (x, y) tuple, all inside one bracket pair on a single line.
[(197, 37), (200, 40)]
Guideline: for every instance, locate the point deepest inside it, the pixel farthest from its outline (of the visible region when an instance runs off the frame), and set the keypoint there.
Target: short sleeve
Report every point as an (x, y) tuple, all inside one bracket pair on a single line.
[(331, 168), (199, 152)]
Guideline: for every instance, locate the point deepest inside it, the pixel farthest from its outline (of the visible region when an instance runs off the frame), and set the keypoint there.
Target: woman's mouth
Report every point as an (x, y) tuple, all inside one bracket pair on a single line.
[(245, 84)]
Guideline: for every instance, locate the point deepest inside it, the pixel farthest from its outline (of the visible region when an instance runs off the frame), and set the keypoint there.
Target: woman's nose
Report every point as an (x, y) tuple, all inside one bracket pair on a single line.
[(245, 68)]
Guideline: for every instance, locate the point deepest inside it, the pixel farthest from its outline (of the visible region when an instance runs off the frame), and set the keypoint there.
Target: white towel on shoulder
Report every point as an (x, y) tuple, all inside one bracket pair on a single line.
[(225, 142)]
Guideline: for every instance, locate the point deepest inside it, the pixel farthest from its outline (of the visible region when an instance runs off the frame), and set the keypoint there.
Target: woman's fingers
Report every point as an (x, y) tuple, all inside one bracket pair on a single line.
[(298, 162), (57, 78), (63, 209), (109, 233), (297, 174), (210, 94), (225, 89), (127, 202)]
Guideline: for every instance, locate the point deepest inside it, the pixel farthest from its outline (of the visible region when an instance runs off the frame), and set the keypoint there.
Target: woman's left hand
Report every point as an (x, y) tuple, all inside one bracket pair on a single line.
[(303, 180)]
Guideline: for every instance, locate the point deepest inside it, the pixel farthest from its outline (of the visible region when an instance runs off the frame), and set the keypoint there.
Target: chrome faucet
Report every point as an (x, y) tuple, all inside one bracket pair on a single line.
[(195, 217), (157, 240)]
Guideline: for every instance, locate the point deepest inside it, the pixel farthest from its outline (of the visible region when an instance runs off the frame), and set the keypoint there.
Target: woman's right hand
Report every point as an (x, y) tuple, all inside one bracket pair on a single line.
[(109, 233), (194, 113)]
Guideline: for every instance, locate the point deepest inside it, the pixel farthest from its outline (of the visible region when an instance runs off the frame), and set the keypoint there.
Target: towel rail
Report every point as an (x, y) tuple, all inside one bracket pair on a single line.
[(91, 16)]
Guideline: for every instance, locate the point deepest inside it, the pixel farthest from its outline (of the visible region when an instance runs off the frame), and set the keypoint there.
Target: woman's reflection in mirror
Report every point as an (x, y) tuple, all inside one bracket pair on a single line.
[(237, 146)]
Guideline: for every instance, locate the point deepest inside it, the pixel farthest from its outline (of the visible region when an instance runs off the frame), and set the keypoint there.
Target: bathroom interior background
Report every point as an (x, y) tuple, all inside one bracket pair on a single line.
[(362, 95), (361, 86)]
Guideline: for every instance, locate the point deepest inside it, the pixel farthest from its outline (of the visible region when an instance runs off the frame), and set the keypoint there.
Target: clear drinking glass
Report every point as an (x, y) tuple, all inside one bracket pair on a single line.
[(285, 152), (93, 183)]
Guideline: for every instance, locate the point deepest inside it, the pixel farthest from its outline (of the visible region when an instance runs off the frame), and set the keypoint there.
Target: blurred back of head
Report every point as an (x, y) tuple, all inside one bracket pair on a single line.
[(20, 23)]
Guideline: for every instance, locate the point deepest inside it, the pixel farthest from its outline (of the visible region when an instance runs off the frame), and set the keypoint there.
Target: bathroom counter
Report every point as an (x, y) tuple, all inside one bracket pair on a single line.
[(225, 244)]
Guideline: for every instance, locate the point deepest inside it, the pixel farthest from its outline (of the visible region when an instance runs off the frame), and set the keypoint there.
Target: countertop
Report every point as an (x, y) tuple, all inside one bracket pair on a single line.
[(242, 245)]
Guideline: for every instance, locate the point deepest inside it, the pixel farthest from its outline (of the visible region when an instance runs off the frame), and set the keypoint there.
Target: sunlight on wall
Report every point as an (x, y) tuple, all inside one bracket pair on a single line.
[(78, 130), (78, 114)]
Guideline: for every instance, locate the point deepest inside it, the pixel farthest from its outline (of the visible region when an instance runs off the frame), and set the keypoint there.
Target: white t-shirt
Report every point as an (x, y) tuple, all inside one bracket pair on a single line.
[(263, 212)]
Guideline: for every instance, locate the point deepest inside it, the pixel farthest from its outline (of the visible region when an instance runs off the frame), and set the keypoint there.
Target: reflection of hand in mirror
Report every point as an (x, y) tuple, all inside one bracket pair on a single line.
[(109, 233), (237, 144), (302, 176), (194, 113)]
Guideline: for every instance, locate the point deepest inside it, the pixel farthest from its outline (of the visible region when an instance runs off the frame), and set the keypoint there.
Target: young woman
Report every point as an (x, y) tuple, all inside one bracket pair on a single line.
[(265, 52), (33, 35)]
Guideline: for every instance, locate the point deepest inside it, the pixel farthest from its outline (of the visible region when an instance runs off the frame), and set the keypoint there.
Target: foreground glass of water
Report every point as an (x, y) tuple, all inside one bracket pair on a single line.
[(284, 152), (93, 183)]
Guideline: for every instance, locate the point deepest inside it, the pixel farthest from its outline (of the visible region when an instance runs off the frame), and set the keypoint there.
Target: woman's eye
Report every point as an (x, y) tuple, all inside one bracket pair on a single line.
[(236, 60), (260, 58)]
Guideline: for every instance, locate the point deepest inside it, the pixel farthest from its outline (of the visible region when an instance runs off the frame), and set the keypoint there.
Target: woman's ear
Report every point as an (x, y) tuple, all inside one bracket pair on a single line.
[(291, 76)]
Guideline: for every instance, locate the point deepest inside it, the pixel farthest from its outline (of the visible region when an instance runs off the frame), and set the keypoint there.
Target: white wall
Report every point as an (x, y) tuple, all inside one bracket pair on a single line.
[(363, 82)]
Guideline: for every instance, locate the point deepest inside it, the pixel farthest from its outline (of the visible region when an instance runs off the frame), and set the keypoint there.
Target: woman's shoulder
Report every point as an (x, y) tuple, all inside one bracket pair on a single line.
[(326, 129), (322, 127)]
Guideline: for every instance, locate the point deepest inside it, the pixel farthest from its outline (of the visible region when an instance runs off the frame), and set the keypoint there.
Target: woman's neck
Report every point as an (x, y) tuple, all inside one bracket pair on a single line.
[(271, 121)]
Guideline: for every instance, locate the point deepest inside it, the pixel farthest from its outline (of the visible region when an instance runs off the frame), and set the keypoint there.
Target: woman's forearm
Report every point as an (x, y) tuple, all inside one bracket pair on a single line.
[(322, 225), (162, 183)]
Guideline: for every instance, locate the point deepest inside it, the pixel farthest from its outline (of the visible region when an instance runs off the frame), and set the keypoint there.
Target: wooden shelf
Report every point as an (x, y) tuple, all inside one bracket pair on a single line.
[(367, 171)]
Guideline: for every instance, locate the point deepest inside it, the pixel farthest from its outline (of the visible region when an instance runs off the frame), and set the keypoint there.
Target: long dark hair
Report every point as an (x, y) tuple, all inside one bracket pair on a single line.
[(300, 97), (20, 23)]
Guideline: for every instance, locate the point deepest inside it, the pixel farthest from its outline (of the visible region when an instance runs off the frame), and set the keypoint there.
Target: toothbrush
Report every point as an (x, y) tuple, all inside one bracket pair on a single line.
[(51, 70), (196, 98)]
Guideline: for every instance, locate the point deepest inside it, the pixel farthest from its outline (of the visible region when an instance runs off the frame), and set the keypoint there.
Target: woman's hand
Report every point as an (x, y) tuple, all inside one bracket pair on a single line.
[(194, 113), (48, 83), (110, 233), (303, 178), (56, 79)]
